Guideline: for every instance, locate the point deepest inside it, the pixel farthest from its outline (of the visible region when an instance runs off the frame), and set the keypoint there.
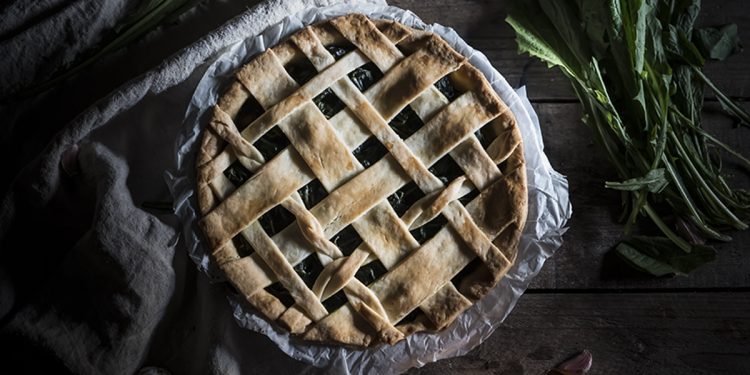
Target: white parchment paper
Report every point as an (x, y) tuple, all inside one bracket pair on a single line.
[(549, 209)]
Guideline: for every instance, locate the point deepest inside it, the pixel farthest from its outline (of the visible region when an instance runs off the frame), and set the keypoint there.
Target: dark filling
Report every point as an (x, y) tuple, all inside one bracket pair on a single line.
[(469, 197), (312, 193), (446, 169), (271, 143), (470, 268), (243, 247), (427, 231), (278, 291), (445, 86), (301, 70), (406, 123), (335, 301), (503, 166), (405, 197), (483, 140), (232, 289), (370, 152), (309, 269), (403, 49), (249, 111), (275, 220), (365, 76), (411, 317), (347, 240), (339, 50), (237, 173), (328, 103), (485, 135), (370, 272)]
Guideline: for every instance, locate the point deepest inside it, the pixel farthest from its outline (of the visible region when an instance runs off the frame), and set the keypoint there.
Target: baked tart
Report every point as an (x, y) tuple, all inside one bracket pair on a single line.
[(361, 181)]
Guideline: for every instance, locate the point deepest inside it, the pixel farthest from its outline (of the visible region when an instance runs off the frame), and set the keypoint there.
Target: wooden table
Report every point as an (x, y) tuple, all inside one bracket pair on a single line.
[(682, 325)]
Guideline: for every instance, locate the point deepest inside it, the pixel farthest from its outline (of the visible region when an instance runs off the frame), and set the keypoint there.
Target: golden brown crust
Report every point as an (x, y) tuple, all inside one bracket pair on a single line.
[(418, 276)]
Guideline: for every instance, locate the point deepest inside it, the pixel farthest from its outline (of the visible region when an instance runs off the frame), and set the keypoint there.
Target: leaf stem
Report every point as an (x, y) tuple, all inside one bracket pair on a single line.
[(679, 241), (732, 107)]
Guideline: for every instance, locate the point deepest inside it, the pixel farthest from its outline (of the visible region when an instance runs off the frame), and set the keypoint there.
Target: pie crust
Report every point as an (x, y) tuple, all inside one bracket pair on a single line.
[(393, 279)]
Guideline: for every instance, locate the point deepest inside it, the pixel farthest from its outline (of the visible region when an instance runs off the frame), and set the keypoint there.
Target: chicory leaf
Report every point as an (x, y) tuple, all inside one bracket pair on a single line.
[(532, 44), (594, 26), (642, 93), (660, 257), (563, 16), (718, 43), (689, 95), (654, 181), (680, 48), (684, 14)]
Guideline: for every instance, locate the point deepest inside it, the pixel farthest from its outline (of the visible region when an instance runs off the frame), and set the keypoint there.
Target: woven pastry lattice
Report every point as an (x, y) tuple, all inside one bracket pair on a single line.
[(361, 181)]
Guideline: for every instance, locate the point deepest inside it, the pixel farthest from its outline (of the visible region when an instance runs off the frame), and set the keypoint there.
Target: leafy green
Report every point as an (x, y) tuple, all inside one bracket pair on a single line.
[(534, 45), (681, 13), (659, 257), (654, 181), (718, 43), (637, 69)]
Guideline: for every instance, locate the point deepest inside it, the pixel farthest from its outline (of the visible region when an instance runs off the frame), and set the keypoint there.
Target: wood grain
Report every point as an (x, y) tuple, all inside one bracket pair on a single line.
[(594, 228), (627, 333), (482, 24)]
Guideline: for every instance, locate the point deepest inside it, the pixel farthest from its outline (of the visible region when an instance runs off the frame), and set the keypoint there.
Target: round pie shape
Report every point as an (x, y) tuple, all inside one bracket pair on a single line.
[(361, 181)]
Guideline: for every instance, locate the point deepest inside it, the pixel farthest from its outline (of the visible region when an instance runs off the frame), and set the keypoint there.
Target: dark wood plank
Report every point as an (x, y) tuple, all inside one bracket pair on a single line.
[(594, 228), (482, 25), (651, 333)]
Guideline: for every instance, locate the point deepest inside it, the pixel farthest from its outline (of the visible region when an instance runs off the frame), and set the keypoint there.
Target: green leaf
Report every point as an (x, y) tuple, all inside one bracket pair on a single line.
[(594, 26), (654, 181), (642, 94), (731, 107), (680, 48), (654, 45), (563, 16), (529, 42), (641, 12), (718, 43), (689, 95), (660, 257), (684, 14)]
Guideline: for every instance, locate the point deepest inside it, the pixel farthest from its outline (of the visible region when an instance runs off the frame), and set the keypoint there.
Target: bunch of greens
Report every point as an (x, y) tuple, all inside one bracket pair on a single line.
[(636, 67), (145, 17)]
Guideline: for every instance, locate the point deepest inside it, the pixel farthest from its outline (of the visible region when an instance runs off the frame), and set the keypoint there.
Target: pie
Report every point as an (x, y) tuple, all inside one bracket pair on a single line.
[(361, 181)]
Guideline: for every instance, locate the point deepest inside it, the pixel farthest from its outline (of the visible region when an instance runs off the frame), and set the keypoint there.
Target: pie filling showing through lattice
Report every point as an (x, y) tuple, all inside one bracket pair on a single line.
[(360, 182)]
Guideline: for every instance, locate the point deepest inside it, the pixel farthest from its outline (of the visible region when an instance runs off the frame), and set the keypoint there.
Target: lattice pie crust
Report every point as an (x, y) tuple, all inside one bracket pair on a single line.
[(340, 243)]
